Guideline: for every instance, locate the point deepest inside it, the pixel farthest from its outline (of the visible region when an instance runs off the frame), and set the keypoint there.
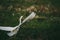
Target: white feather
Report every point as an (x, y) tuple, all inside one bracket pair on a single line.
[(6, 28), (31, 16)]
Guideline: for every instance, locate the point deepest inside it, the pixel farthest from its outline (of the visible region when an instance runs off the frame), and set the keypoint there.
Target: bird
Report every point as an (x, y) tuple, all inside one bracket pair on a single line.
[(14, 30)]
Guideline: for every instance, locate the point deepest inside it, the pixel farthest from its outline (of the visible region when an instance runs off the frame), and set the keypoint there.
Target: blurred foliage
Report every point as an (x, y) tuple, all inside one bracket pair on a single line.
[(36, 29)]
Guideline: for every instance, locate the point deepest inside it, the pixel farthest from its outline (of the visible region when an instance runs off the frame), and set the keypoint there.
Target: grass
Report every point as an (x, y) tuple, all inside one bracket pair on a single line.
[(36, 29)]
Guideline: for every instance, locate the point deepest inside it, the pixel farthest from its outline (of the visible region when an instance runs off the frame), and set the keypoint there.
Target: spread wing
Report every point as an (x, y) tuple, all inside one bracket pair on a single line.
[(6, 28), (13, 32), (31, 16)]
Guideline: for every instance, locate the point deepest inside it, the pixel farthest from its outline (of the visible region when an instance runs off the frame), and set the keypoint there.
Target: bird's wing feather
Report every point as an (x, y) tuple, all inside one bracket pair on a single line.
[(31, 16), (6, 28), (13, 32)]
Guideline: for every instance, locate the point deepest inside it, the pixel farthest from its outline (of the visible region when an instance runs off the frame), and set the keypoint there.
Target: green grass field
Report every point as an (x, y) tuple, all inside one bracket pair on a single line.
[(36, 29)]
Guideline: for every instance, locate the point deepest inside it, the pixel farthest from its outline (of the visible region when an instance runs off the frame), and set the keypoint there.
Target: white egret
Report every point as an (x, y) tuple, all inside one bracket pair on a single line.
[(14, 30)]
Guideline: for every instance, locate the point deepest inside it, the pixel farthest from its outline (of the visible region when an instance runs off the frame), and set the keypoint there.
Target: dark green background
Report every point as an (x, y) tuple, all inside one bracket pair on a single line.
[(36, 29)]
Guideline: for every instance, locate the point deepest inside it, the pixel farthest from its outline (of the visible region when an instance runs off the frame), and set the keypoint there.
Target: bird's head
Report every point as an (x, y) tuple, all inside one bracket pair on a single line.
[(20, 19)]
